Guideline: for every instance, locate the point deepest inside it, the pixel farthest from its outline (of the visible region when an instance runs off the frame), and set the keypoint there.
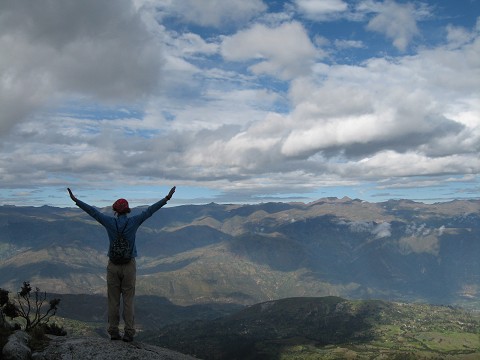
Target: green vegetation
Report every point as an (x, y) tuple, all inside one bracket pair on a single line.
[(307, 328), (330, 328), (28, 307), (31, 311), (80, 328)]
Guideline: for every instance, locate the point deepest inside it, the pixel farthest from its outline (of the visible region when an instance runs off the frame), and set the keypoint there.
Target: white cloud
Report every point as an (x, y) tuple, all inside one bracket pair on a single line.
[(382, 119), (458, 36), (395, 20), (253, 111), (398, 105), (382, 230), (395, 164), (284, 51), (68, 48), (321, 9)]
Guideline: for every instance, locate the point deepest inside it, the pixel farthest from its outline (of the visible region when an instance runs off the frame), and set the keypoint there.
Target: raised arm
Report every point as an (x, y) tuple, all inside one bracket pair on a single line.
[(71, 195), (154, 207), (90, 210), (170, 194)]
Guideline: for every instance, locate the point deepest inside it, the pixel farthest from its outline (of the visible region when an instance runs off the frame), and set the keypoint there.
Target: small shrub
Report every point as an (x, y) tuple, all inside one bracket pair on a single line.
[(38, 340), (54, 329), (29, 306)]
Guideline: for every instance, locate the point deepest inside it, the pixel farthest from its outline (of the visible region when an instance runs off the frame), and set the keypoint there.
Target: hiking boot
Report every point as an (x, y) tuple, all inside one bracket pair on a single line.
[(115, 336), (127, 338)]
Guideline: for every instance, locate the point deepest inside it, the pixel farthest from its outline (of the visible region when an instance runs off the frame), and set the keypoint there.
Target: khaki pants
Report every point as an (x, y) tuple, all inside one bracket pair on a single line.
[(121, 282)]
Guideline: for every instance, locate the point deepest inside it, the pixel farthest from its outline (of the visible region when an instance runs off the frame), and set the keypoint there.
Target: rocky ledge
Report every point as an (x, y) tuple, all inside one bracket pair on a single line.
[(69, 347)]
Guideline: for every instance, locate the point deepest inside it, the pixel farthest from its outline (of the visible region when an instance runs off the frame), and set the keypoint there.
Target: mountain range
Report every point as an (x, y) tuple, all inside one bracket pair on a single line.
[(245, 254)]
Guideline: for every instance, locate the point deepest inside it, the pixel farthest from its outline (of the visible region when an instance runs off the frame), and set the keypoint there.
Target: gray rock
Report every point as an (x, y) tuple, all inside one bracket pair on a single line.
[(65, 347), (16, 347)]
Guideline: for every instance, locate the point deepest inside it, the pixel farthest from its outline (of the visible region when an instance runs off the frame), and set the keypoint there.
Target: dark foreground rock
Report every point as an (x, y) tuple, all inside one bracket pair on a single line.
[(65, 347), (16, 348)]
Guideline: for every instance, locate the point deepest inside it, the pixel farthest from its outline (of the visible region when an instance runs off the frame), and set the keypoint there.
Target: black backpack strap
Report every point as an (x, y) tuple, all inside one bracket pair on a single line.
[(116, 225)]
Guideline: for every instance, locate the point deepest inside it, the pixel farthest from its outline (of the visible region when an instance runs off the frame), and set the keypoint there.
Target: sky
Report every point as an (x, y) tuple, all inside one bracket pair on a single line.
[(238, 101)]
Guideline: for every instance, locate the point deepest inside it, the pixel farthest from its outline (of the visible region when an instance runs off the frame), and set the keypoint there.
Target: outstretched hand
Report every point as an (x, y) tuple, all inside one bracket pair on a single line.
[(170, 194), (71, 195)]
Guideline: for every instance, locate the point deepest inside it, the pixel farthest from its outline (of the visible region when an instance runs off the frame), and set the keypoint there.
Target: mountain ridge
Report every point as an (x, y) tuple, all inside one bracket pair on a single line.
[(244, 254)]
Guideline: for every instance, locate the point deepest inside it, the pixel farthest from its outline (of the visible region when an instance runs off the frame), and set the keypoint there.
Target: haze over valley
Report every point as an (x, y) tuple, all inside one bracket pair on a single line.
[(245, 254)]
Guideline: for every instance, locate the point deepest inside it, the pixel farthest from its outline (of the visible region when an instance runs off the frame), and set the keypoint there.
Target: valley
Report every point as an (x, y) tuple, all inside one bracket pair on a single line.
[(332, 279), (245, 254)]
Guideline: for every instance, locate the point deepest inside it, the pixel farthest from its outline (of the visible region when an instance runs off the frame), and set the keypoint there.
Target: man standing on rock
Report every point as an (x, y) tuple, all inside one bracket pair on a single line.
[(121, 268)]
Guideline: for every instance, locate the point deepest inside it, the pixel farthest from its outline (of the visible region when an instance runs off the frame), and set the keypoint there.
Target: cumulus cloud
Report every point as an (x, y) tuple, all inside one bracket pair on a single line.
[(401, 108), (395, 20), (284, 51), (58, 49), (386, 118), (259, 110), (382, 119)]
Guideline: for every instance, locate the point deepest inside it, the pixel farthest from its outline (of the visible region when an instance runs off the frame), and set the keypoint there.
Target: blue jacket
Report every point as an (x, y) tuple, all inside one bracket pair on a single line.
[(110, 222)]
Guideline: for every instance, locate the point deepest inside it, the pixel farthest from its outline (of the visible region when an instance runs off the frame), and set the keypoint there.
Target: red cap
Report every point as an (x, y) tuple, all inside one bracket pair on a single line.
[(121, 206)]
